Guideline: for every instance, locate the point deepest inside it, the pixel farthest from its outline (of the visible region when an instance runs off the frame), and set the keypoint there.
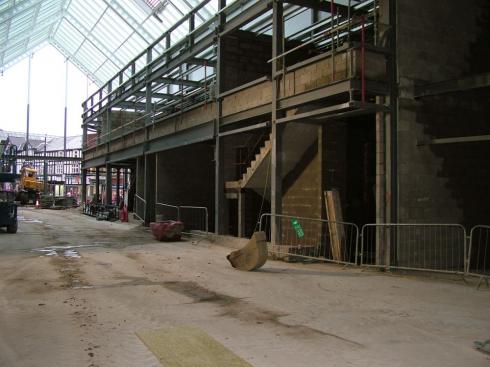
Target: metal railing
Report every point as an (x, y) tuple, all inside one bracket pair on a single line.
[(166, 212), (309, 238), (426, 247), (479, 251), (194, 218), (139, 207)]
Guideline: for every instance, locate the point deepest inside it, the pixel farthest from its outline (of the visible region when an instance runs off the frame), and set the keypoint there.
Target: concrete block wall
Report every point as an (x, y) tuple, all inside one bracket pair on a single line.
[(119, 118), (185, 176), (302, 186), (438, 40), (435, 38), (245, 57), (335, 158), (255, 96)]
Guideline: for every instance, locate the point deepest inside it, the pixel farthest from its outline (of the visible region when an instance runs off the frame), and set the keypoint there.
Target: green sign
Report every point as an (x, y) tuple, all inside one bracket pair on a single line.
[(297, 228)]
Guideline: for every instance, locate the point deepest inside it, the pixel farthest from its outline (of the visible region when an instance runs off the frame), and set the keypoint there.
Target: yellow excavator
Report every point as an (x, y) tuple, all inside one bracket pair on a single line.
[(29, 187)]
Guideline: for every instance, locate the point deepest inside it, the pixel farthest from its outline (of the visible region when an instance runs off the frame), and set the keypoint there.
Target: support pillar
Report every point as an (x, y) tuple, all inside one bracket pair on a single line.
[(27, 144), (125, 187), (149, 188), (241, 213), (276, 133), (118, 185), (220, 217), (108, 184), (45, 177), (386, 140), (84, 186), (97, 184)]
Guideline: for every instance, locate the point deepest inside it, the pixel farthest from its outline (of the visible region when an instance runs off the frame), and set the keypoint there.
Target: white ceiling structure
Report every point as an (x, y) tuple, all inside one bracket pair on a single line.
[(99, 36)]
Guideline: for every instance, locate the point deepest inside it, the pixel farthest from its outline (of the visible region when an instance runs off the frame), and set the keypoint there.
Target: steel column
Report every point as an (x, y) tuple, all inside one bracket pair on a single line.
[(28, 102), (118, 185), (65, 118), (108, 184), (219, 188), (276, 134), (149, 188), (97, 185)]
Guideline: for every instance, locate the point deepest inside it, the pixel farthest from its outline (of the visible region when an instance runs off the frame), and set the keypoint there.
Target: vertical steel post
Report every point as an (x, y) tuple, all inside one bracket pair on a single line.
[(108, 184), (394, 110), (332, 36), (276, 159), (97, 185), (65, 121), (84, 186), (45, 173), (219, 185), (125, 184), (118, 185), (28, 103), (149, 190), (363, 60)]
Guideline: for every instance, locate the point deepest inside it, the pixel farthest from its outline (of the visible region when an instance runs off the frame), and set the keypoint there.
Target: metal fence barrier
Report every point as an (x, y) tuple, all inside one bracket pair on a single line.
[(195, 219), (309, 238), (166, 212), (427, 247), (139, 207), (479, 251)]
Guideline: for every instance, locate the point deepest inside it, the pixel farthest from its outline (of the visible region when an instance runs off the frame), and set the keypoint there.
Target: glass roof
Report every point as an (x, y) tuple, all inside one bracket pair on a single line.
[(99, 36)]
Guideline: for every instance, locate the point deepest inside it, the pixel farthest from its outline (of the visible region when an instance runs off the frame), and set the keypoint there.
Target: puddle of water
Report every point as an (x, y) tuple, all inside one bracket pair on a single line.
[(21, 218), (65, 251), (84, 287), (103, 244), (71, 253)]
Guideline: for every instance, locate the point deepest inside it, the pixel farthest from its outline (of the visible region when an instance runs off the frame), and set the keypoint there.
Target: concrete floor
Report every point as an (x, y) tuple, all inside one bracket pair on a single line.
[(69, 311)]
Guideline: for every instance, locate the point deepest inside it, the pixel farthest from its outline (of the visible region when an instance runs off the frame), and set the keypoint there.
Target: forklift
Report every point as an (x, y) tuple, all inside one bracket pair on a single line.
[(8, 207)]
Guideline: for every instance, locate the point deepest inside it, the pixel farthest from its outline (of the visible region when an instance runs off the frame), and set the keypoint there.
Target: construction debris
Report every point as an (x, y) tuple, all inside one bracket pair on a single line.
[(334, 216), (167, 230), (57, 202), (101, 211), (252, 256)]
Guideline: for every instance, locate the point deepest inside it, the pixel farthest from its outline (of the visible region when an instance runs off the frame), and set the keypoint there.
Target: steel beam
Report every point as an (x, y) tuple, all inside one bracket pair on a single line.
[(47, 158), (201, 62), (454, 85), (157, 95), (247, 114), (455, 140), (137, 106), (179, 82), (245, 129), (203, 132), (315, 94), (319, 5)]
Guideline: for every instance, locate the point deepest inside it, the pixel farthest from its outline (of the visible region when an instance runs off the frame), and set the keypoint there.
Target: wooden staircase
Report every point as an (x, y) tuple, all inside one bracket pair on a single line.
[(256, 176), (296, 137)]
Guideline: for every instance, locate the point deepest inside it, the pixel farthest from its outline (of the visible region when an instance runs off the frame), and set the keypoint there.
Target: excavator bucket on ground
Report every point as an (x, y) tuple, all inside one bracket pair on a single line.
[(252, 256)]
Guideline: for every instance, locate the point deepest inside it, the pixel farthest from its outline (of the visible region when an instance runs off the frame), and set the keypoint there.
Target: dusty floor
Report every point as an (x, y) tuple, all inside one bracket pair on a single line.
[(69, 311)]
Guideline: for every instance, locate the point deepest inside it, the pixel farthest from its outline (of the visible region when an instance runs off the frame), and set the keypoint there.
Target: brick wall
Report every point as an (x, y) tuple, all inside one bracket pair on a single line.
[(440, 40)]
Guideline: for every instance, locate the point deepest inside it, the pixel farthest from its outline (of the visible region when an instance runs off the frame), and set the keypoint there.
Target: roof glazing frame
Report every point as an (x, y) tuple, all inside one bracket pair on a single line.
[(95, 50)]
